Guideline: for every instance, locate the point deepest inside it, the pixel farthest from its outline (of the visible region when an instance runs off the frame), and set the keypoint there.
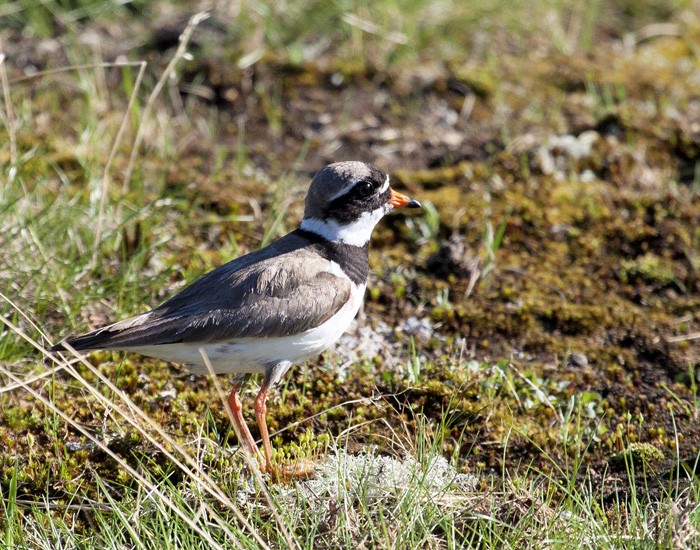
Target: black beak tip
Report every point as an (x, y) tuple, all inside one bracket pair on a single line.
[(413, 203)]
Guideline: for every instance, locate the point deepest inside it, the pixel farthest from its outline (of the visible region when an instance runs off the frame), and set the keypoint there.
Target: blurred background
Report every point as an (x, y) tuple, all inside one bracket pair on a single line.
[(540, 317)]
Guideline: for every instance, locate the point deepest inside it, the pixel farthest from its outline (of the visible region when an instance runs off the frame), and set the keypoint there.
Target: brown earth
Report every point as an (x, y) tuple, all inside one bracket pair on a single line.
[(588, 165)]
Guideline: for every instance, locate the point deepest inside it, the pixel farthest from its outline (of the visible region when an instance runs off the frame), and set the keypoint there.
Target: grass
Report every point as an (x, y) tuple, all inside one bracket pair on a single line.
[(117, 452), (413, 498)]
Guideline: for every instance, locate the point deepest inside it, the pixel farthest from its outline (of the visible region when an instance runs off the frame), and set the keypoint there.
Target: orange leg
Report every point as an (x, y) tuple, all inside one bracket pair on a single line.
[(302, 469), (260, 412), (245, 438)]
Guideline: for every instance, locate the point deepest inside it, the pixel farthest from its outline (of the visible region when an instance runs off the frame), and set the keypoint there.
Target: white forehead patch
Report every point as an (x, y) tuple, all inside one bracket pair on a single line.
[(385, 186)]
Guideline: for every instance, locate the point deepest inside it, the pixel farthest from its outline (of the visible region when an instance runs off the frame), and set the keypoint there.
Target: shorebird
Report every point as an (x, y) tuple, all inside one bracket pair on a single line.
[(272, 308)]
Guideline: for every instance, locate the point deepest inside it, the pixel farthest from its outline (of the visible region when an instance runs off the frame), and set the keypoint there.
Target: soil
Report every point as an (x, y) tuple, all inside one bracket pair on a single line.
[(586, 163)]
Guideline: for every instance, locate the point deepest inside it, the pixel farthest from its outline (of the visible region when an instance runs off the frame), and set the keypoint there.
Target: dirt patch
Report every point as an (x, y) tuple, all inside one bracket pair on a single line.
[(598, 201)]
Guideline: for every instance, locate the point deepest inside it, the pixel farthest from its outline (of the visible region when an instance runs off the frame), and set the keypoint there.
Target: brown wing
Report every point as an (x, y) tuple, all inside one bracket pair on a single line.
[(246, 298)]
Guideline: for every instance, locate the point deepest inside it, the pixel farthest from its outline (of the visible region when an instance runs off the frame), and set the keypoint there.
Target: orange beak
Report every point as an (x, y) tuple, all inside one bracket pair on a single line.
[(399, 200)]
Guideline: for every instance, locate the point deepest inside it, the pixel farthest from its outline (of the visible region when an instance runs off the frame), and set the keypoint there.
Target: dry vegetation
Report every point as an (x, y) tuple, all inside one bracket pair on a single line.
[(525, 369)]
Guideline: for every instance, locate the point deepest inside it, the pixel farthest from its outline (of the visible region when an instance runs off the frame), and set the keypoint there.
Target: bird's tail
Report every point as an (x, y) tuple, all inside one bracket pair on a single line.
[(116, 336)]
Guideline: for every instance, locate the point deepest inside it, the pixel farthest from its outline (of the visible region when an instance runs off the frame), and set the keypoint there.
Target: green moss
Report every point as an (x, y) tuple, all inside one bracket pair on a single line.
[(572, 274), (637, 454), (437, 178), (479, 80), (649, 268)]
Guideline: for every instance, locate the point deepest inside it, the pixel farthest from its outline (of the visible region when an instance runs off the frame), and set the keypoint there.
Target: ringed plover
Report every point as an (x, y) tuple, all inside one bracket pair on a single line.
[(272, 308)]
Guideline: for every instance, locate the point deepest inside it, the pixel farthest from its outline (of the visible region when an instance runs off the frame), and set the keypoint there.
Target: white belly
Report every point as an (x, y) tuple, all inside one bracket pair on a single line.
[(254, 354)]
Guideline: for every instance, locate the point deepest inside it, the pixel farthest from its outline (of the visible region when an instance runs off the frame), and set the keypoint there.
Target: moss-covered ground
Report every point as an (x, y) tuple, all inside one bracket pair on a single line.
[(542, 314)]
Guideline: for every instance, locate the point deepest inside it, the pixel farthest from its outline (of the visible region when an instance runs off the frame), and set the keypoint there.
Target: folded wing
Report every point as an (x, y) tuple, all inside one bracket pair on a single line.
[(280, 297)]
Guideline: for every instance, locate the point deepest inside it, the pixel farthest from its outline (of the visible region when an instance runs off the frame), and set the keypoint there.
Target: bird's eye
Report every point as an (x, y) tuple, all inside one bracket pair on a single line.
[(364, 188)]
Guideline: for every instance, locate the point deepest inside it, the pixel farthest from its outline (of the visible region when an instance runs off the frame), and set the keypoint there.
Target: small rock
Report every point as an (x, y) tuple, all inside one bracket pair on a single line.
[(422, 329), (167, 394), (578, 360)]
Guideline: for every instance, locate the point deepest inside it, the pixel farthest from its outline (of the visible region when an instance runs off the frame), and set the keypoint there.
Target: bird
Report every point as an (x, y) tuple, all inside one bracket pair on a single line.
[(274, 307)]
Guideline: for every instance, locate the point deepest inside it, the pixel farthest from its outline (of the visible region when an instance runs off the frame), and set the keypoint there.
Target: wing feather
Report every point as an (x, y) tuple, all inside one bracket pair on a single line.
[(270, 296)]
